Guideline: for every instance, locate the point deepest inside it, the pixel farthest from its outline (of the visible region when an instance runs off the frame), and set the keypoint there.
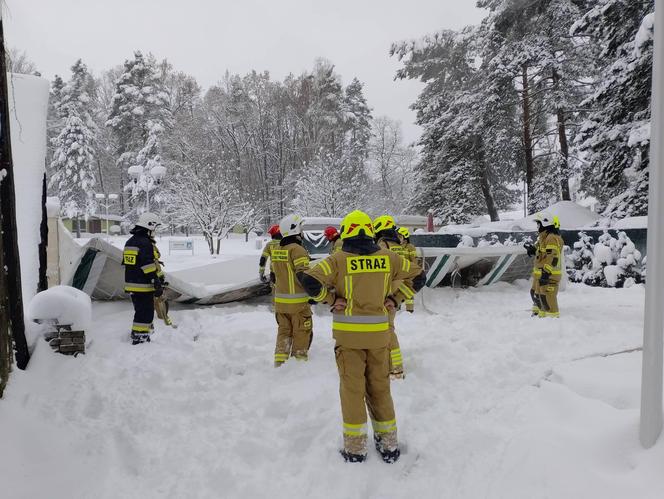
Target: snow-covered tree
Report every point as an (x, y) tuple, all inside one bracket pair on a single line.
[(138, 118), (580, 260), (73, 164), (469, 146), (73, 177), (616, 136), (201, 195), (17, 61), (391, 168)]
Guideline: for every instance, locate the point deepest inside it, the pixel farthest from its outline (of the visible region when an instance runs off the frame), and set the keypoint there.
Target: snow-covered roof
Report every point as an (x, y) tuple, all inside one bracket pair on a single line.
[(571, 215)]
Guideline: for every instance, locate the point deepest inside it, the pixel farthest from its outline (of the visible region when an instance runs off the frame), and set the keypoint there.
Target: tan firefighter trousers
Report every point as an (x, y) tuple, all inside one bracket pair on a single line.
[(364, 384), (294, 335)]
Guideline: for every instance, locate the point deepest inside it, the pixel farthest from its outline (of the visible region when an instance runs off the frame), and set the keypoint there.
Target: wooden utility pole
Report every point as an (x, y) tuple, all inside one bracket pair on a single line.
[(11, 300)]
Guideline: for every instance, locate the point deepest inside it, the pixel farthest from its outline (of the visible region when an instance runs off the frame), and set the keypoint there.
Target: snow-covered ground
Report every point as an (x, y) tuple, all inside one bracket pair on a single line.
[(495, 404)]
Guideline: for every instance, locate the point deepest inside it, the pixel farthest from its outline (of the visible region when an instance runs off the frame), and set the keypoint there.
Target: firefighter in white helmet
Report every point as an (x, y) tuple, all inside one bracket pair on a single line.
[(547, 269), (144, 279), (291, 302)]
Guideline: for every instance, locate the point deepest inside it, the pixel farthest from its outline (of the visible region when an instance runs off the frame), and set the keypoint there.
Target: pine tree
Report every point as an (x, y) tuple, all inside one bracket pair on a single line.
[(138, 118), (468, 141), (580, 261), (72, 165), (616, 136)]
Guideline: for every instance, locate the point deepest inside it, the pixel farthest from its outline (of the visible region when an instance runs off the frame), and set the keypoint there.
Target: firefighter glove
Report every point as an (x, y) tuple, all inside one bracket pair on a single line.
[(544, 280), (530, 249)]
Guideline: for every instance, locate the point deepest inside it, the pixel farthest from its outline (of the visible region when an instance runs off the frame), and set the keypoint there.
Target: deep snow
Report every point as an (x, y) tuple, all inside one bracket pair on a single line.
[(495, 404)]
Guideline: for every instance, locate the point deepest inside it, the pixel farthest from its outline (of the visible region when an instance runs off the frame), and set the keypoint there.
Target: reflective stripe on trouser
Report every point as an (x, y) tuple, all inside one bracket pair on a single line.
[(364, 384), (410, 305), (294, 334), (534, 295), (548, 295), (143, 312)]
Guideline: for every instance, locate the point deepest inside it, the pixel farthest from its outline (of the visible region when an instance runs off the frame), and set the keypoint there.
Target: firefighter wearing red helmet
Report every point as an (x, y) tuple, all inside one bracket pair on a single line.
[(275, 233), (333, 237)]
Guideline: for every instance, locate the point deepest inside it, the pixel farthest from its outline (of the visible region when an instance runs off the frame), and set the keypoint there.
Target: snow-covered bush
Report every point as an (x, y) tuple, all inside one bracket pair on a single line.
[(492, 241), (609, 263), (466, 242), (510, 241)]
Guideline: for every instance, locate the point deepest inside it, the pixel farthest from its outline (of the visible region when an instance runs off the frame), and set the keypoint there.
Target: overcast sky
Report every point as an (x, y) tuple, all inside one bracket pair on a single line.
[(206, 37)]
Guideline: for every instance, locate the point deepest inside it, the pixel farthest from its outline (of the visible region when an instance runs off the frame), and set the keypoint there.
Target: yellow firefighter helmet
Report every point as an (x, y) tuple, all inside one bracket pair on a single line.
[(384, 222), (355, 224)]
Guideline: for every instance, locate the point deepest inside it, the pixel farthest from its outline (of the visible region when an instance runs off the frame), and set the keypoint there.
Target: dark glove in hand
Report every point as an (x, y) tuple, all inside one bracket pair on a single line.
[(264, 278), (312, 301), (544, 280), (530, 249), (158, 291)]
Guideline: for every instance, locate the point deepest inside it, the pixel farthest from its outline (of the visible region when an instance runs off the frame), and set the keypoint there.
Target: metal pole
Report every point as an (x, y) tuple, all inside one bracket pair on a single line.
[(106, 205), (147, 195), (651, 377)]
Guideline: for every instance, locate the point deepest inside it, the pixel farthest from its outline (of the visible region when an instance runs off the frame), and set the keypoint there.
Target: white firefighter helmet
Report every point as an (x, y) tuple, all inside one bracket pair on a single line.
[(546, 219), (291, 225), (148, 221)]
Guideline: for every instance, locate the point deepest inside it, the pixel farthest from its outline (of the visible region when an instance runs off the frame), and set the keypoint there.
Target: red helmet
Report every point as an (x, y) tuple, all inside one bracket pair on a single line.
[(331, 233), (274, 229)]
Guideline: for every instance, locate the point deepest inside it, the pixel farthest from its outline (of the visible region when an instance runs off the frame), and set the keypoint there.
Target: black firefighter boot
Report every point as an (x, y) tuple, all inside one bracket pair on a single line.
[(387, 447)]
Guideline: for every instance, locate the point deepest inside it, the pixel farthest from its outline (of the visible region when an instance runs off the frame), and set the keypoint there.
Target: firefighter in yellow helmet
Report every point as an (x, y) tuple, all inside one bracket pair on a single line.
[(291, 303), (547, 269), (387, 238), (411, 254), (358, 282)]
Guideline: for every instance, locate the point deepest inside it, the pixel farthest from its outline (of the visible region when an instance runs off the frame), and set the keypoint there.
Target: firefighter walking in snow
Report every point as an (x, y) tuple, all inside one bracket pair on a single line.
[(291, 302), (388, 238), (144, 279), (362, 276), (271, 244), (334, 238), (410, 252), (547, 269)]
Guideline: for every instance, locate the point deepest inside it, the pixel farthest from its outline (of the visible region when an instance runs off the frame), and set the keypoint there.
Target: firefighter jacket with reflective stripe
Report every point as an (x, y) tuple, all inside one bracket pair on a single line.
[(399, 249), (336, 245), (141, 261), (274, 243), (410, 252), (549, 255), (286, 261), (364, 281)]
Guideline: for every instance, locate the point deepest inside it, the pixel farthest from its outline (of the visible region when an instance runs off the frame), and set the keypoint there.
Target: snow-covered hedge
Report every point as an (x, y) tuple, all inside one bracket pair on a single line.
[(610, 262)]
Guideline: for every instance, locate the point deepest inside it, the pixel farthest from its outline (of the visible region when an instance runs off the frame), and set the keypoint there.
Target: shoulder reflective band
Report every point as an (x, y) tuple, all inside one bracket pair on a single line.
[(367, 264), (279, 255)]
